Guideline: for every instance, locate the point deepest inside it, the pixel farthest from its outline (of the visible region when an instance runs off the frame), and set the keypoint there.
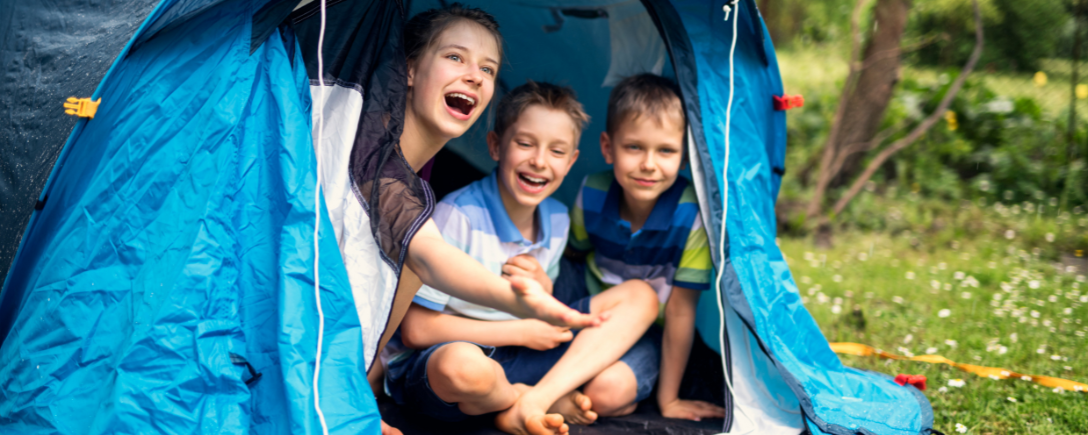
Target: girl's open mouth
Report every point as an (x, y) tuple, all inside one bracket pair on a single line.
[(531, 183), (460, 105)]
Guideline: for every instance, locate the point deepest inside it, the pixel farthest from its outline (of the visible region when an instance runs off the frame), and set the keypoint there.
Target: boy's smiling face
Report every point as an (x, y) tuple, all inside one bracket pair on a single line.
[(646, 153), (534, 154)]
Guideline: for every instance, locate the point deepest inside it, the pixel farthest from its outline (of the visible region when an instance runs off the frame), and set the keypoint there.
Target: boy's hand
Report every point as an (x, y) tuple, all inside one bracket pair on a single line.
[(527, 266), (691, 410), (535, 303), (537, 335)]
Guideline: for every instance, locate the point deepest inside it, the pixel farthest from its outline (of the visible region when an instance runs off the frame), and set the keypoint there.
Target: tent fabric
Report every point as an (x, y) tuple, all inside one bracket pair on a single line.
[(50, 52), (376, 201), (834, 398), (176, 231), (180, 232)]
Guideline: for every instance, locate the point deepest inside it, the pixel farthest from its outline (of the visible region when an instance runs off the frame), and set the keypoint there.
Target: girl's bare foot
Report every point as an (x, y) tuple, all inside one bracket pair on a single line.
[(576, 408)]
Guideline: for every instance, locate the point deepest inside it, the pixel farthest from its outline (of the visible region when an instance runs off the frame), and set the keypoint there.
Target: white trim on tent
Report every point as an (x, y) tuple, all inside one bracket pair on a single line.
[(373, 281)]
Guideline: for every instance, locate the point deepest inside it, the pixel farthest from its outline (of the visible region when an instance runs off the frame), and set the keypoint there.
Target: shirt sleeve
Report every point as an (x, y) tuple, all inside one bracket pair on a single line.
[(455, 229), (579, 238), (696, 265)]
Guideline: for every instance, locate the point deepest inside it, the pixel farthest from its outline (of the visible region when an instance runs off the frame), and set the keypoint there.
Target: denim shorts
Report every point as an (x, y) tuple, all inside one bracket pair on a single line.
[(407, 383)]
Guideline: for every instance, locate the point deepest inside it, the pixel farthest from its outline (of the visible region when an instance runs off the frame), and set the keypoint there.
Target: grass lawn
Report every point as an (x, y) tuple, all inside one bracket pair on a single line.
[(1006, 307)]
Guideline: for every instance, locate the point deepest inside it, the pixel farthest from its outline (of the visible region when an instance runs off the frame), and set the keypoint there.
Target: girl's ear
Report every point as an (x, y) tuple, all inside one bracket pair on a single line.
[(493, 145), (411, 71), (606, 147)]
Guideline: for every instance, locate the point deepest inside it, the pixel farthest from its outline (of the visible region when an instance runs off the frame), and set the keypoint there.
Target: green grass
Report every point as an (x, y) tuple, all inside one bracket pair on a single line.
[(1018, 294)]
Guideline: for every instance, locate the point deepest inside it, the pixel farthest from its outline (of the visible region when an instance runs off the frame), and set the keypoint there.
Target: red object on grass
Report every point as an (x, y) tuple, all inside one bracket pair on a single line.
[(918, 381), (787, 102)]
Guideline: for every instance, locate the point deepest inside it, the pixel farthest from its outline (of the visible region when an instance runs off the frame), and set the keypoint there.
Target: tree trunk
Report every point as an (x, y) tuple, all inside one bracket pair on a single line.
[(876, 82), (867, 91)]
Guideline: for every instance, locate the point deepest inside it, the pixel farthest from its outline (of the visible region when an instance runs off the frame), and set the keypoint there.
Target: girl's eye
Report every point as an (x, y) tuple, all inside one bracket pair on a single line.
[(488, 70), (454, 57), (632, 147), (524, 144)]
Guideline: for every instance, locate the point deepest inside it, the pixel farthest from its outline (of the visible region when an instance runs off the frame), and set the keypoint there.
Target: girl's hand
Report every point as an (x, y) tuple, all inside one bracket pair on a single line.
[(537, 335), (691, 410), (527, 266)]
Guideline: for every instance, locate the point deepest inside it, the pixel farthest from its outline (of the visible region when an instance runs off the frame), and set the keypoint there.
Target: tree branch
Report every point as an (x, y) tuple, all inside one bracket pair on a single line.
[(923, 127)]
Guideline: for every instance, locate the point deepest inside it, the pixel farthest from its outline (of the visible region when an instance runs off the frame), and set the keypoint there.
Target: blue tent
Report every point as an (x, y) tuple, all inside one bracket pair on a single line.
[(165, 280)]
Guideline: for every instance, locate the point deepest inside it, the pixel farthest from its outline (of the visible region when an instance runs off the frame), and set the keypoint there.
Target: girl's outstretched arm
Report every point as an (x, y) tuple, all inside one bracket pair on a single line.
[(444, 267)]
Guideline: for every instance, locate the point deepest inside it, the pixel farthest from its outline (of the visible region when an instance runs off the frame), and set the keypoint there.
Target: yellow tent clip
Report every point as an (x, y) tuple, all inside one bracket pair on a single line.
[(81, 107)]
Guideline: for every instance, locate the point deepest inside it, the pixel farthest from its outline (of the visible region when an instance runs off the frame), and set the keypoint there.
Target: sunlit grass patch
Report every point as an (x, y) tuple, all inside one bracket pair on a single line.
[(984, 301)]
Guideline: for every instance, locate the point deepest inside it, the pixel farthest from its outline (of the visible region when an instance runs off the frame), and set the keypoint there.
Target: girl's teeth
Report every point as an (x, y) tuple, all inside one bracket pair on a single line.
[(465, 97)]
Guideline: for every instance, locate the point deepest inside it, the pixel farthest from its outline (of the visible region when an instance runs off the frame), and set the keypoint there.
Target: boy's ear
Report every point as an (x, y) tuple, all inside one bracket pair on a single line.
[(606, 147), (573, 158), (493, 145)]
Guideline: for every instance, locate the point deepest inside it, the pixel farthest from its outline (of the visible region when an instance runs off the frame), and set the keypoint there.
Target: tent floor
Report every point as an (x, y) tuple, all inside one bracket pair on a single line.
[(646, 420)]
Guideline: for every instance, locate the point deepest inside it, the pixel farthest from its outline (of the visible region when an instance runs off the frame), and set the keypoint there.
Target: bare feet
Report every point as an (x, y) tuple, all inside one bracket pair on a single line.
[(576, 408), (525, 418)]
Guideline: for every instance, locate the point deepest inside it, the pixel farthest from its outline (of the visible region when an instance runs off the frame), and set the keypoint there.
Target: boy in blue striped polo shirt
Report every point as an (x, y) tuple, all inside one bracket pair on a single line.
[(641, 221), (472, 360)]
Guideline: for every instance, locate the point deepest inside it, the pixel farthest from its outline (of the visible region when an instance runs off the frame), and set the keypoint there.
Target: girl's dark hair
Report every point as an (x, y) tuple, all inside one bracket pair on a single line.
[(423, 29)]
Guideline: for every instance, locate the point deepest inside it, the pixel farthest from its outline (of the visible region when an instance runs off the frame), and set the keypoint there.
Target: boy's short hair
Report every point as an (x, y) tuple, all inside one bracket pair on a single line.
[(641, 95), (545, 94)]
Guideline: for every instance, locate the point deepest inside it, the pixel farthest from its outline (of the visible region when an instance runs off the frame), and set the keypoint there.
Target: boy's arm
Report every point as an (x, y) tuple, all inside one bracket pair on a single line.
[(675, 349), (440, 265), (423, 328)]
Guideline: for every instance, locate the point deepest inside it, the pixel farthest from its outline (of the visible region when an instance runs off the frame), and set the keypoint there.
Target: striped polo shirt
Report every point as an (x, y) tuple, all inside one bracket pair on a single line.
[(473, 219), (669, 250)]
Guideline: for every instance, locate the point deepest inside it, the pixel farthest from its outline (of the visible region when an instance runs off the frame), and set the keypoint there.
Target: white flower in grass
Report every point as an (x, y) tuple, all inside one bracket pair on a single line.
[(1002, 350), (958, 383), (836, 309), (1080, 278), (863, 256), (961, 428), (1078, 388), (809, 256), (970, 281), (1058, 390), (1033, 284), (1068, 368), (931, 350), (992, 265), (1011, 399), (806, 280), (942, 265), (965, 295), (1084, 299), (942, 390), (1010, 234), (837, 301), (950, 343), (910, 275), (1035, 314), (944, 313), (1050, 237), (1025, 378), (1067, 311), (1013, 337), (958, 275), (837, 278), (908, 338), (906, 352), (935, 284), (1056, 357), (947, 287), (1005, 373), (897, 300)]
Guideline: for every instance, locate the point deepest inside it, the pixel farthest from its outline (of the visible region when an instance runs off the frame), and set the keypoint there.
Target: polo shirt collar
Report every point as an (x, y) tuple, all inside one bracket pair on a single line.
[(504, 227), (664, 208)]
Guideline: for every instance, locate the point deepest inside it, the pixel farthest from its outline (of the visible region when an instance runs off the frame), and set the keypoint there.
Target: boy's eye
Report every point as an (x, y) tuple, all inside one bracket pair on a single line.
[(559, 152), (632, 147), (524, 144)]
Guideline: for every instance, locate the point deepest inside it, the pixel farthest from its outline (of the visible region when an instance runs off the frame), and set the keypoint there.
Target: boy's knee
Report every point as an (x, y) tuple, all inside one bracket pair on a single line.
[(613, 390), (461, 369), (639, 294)]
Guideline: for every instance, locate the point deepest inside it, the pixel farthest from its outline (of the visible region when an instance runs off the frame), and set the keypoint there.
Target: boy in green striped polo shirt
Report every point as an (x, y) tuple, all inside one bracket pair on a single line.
[(641, 221)]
